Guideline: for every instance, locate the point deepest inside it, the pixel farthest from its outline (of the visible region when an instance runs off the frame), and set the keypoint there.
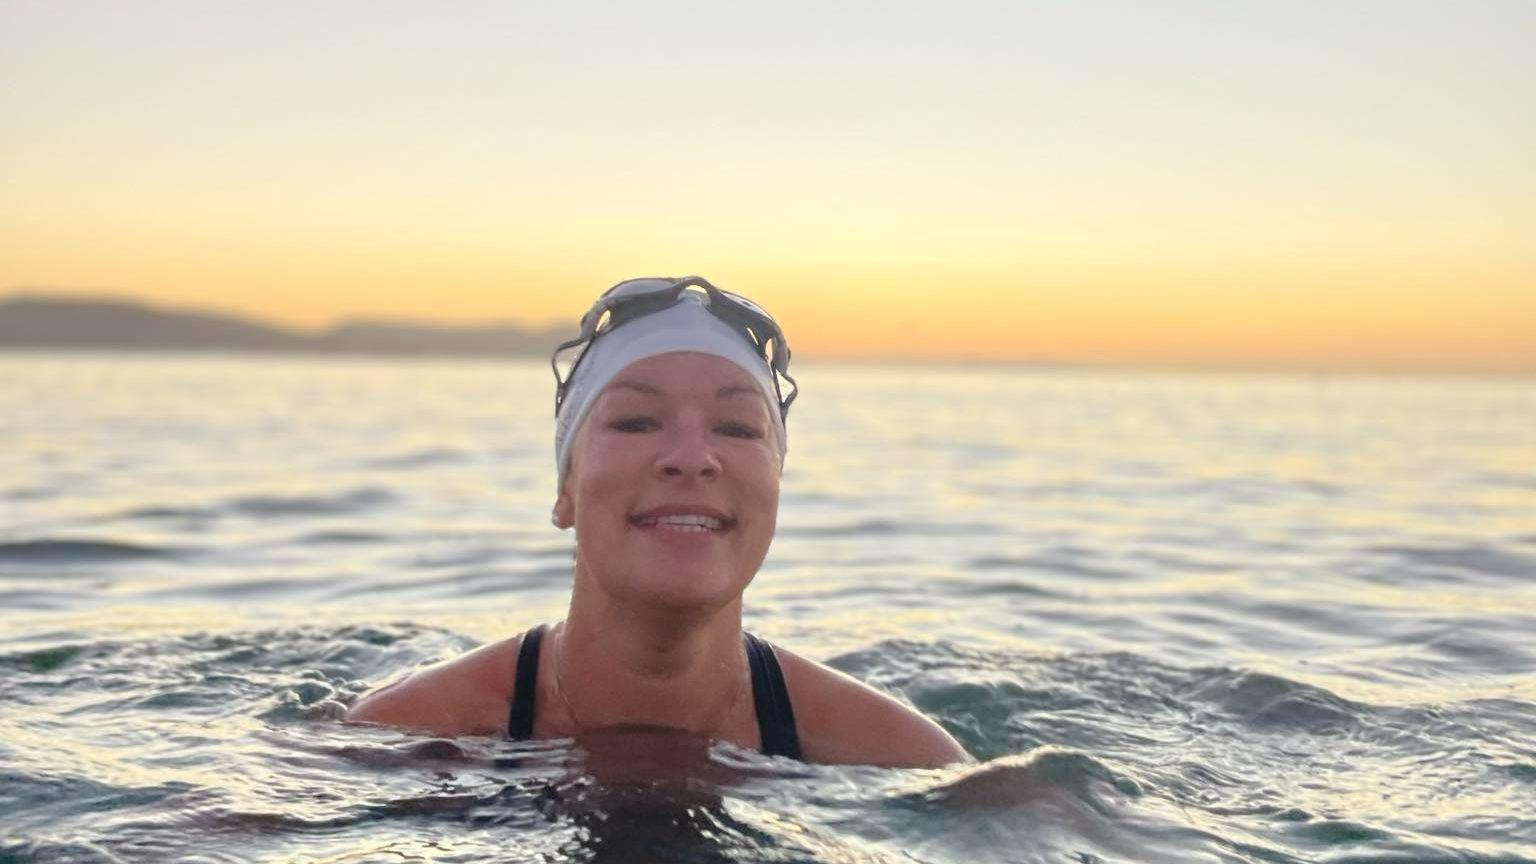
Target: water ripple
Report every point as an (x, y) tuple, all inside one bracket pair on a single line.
[(887, 527), (80, 551), (426, 458), (350, 502), (1461, 562)]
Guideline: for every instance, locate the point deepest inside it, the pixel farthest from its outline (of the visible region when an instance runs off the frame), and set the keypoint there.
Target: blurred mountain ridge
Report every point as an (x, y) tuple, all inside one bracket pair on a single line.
[(34, 321)]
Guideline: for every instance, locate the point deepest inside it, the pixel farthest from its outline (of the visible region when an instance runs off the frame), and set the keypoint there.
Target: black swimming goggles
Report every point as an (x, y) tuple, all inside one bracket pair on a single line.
[(636, 298)]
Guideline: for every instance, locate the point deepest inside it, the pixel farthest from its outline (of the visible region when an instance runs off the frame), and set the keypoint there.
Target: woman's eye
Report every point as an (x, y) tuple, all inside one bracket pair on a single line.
[(739, 430), (633, 424)]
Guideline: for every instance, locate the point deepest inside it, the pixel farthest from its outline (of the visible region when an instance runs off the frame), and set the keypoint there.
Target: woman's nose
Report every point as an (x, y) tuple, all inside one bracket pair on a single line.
[(689, 452)]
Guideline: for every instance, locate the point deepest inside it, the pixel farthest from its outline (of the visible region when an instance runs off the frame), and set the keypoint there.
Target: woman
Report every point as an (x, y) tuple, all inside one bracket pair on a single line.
[(669, 442)]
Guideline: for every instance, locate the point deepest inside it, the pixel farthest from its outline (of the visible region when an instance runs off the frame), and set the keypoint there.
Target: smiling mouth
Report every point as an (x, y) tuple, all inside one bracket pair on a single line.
[(687, 523)]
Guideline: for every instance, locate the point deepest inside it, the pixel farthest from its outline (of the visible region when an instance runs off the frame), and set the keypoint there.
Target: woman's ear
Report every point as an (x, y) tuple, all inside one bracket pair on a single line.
[(563, 515)]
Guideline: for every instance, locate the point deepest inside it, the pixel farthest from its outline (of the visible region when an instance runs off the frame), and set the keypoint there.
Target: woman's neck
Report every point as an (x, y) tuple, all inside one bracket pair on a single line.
[(650, 667)]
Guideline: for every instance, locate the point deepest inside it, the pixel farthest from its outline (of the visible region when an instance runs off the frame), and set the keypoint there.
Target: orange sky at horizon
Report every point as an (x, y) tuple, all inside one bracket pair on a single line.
[(1255, 187)]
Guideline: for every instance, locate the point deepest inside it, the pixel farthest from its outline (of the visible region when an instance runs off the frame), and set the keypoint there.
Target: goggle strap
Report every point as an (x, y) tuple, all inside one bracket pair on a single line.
[(554, 365)]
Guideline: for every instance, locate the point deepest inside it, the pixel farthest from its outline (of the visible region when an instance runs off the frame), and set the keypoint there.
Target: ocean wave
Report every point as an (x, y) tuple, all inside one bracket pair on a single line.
[(888, 527), (1055, 804), (274, 587), (971, 586), (1075, 746), (1029, 775), (342, 537), (1059, 561), (167, 512), (35, 599), (1263, 700), (344, 503), (45, 851), (225, 663), (1251, 745), (77, 550), (425, 458), (463, 583), (42, 659), (1471, 560)]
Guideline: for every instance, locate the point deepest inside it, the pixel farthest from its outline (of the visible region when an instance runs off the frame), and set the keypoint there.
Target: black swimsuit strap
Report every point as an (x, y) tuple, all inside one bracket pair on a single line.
[(520, 716), (775, 715)]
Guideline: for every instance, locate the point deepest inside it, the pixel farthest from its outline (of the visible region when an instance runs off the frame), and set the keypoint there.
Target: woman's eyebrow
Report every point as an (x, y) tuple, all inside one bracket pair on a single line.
[(638, 386), (725, 392)]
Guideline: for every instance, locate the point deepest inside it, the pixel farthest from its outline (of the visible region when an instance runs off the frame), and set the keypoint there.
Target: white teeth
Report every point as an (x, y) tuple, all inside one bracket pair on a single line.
[(687, 522)]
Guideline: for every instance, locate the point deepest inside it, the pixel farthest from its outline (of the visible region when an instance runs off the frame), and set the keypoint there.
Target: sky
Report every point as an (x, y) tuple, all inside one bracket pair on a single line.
[(1346, 185)]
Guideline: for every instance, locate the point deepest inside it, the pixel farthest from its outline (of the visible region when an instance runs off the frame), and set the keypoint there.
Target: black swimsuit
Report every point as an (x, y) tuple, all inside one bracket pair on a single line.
[(775, 716)]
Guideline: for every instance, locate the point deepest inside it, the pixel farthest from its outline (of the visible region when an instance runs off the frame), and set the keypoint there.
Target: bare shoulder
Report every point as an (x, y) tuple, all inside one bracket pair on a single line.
[(463, 696), (842, 720)]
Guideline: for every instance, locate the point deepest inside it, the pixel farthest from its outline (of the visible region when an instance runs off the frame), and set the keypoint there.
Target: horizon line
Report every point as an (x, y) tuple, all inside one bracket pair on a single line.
[(57, 294)]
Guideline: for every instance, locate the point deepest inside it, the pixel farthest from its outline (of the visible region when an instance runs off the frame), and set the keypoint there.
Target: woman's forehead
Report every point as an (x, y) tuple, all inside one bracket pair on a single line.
[(680, 371)]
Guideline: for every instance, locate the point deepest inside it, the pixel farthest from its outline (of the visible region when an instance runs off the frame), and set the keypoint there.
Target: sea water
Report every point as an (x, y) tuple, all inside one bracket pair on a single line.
[(1176, 617)]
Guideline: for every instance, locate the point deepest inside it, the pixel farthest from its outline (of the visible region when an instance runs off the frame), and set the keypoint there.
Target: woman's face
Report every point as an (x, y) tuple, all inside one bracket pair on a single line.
[(673, 484)]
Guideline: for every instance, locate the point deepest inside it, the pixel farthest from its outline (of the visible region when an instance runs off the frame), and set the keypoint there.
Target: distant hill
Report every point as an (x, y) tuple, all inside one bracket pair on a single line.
[(48, 322)]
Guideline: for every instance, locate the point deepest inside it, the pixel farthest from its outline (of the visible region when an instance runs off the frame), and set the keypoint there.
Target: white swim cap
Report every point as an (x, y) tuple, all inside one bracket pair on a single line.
[(686, 326)]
